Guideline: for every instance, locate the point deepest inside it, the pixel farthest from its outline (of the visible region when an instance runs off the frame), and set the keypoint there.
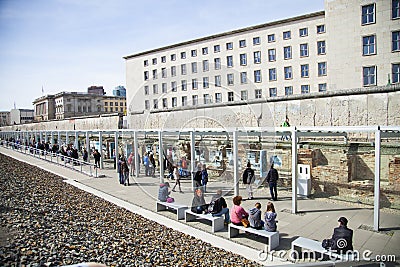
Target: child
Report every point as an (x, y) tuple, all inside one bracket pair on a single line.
[(270, 216), (255, 217)]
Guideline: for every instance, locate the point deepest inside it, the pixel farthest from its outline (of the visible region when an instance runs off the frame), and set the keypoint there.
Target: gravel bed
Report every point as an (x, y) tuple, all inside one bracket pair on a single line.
[(46, 222)]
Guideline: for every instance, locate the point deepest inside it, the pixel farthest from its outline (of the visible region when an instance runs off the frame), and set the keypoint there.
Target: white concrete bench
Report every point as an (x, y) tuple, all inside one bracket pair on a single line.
[(272, 237), (180, 209), (316, 246), (217, 223)]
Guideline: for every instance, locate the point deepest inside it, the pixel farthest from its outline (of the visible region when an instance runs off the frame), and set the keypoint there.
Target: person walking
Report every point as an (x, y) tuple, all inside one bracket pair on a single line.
[(204, 177), (125, 169), (248, 179), (146, 163), (177, 178), (197, 177), (131, 164), (272, 180), (96, 156)]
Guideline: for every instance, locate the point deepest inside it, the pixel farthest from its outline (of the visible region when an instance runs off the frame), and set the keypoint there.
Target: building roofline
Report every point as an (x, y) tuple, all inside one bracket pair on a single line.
[(255, 27)]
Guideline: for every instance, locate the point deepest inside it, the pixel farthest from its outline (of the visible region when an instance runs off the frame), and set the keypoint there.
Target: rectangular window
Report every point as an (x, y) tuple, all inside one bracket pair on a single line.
[(303, 32), (396, 41), (218, 81), (243, 95), (286, 35), (184, 85), (146, 75), (207, 99), (322, 87), (257, 93), (303, 50), (206, 83), (205, 65), (272, 74), (242, 43), (256, 40), (146, 105), (368, 14), (272, 92), (164, 103), (229, 46), (257, 76), (229, 77), (184, 101), (304, 71), (321, 48), (146, 63), (195, 100), (163, 59), (173, 71), (183, 55), (257, 57), (174, 87), (155, 103), (322, 69), (217, 48), (369, 45), (183, 69), (154, 61), (229, 61), (395, 9), (230, 96), (154, 74), (243, 77), (173, 57), (271, 54), (217, 63), (218, 97), (271, 38), (288, 90), (369, 76), (193, 52), (164, 88), (164, 73), (194, 67), (174, 102), (155, 89), (146, 90), (194, 84), (243, 59), (288, 72), (305, 89), (204, 50), (287, 52), (396, 73), (320, 28)]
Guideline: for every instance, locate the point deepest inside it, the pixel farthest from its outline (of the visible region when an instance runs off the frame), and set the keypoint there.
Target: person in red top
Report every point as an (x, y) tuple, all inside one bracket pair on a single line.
[(237, 211)]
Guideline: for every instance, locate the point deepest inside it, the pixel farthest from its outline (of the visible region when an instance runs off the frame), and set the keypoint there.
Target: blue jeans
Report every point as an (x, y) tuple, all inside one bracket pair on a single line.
[(273, 190), (223, 211)]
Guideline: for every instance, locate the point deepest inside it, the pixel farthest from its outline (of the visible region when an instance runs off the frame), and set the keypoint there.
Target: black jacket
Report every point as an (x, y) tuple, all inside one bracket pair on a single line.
[(342, 239), (272, 176), (248, 176)]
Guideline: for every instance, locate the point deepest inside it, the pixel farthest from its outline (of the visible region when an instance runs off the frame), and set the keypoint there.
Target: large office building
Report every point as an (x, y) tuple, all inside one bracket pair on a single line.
[(352, 48), (21, 116)]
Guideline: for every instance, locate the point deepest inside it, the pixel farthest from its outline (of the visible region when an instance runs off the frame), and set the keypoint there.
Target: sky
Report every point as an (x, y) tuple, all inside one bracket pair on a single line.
[(50, 46)]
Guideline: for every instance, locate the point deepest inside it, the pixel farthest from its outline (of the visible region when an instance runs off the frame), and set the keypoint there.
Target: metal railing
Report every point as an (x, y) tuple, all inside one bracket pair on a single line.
[(57, 158)]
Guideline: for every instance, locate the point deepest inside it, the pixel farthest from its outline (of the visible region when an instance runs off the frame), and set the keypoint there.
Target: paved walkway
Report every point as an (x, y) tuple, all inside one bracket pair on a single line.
[(316, 219)]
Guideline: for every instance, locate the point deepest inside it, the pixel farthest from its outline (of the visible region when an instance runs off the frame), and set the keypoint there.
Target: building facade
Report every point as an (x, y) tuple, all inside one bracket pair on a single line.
[(4, 118), (350, 45), (21, 116), (114, 104), (119, 91), (44, 108)]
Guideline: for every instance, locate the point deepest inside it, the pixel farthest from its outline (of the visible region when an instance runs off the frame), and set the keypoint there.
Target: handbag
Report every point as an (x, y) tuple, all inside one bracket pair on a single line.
[(170, 199), (244, 221), (326, 243)]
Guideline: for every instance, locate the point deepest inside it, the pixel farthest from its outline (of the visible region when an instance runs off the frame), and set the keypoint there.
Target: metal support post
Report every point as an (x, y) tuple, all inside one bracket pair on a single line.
[(161, 156), (377, 184), (294, 171), (236, 175)]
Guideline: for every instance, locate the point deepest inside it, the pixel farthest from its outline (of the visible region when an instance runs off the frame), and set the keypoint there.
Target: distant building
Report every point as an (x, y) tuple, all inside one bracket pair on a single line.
[(77, 104), (119, 91), (113, 104), (96, 90), (4, 118), (20, 116)]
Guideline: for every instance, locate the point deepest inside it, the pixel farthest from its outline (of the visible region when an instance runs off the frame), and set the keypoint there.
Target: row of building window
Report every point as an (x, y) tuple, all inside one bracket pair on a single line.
[(114, 109), (370, 74), (368, 12), (208, 99), (116, 104), (272, 76), (369, 48), (229, 45)]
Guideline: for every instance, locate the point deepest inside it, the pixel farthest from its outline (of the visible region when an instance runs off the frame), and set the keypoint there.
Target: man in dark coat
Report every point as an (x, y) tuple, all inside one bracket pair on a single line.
[(272, 179), (248, 179), (342, 238)]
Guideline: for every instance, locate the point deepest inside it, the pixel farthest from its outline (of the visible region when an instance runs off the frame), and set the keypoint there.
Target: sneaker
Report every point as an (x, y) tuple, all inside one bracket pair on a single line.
[(173, 190)]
